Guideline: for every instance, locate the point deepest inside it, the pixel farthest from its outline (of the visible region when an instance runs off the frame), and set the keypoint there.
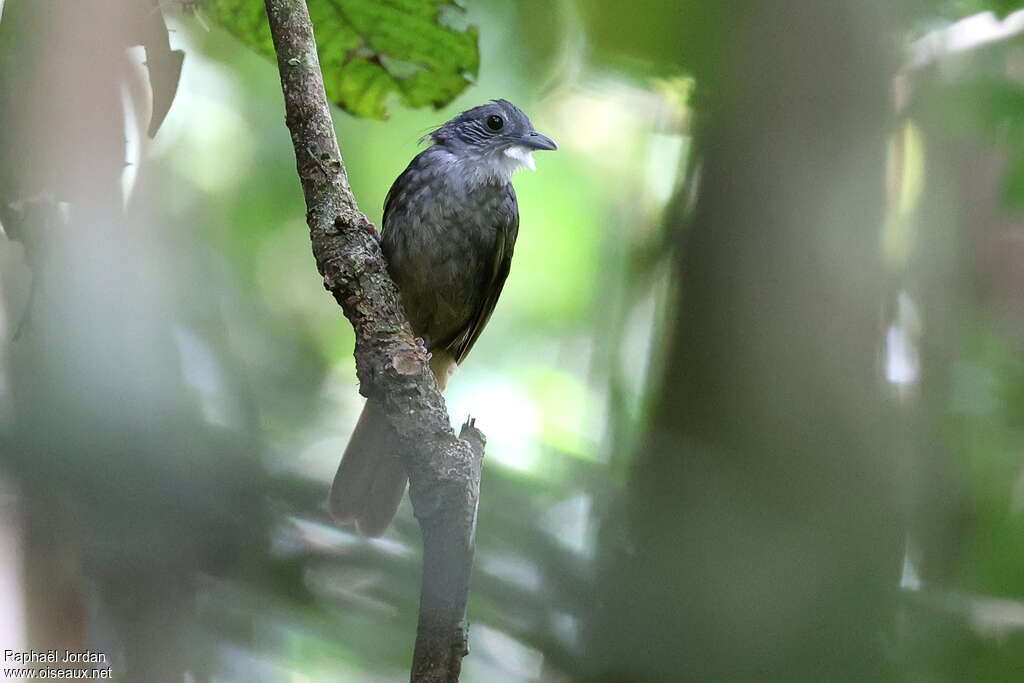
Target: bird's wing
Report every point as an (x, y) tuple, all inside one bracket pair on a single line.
[(401, 182), (508, 230)]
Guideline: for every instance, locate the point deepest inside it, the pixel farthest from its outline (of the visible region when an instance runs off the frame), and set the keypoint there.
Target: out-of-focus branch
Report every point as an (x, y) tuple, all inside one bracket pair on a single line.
[(444, 471)]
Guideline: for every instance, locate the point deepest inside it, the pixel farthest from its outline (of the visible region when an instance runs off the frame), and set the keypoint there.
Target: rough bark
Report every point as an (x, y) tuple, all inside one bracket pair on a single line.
[(444, 471)]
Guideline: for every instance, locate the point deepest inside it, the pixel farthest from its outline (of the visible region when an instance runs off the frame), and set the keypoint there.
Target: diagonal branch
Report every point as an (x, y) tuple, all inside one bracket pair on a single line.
[(444, 471)]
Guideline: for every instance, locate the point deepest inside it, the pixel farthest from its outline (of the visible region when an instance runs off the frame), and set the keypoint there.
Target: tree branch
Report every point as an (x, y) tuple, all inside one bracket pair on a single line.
[(444, 471)]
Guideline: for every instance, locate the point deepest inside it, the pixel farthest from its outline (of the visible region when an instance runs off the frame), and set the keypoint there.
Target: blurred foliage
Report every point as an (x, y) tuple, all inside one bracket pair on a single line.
[(201, 388), (1000, 7), (419, 50)]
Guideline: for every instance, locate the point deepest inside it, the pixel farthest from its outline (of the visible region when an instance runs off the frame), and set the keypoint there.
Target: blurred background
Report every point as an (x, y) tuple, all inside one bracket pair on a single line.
[(753, 393)]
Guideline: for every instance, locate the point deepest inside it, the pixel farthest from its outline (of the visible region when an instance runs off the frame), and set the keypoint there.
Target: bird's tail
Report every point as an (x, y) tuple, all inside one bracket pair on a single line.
[(371, 480)]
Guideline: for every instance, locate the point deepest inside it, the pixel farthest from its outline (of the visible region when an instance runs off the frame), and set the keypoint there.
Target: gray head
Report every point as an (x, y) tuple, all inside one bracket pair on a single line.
[(496, 134)]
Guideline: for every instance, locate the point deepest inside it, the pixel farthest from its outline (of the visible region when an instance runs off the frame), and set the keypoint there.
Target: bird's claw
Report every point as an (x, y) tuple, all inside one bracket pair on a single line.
[(424, 346)]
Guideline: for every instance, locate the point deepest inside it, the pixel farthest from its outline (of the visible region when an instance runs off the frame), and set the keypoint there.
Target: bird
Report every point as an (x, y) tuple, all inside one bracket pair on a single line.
[(450, 225)]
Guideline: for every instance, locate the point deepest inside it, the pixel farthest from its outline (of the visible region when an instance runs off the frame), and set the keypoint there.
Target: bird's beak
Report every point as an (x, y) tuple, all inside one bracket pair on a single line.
[(535, 140)]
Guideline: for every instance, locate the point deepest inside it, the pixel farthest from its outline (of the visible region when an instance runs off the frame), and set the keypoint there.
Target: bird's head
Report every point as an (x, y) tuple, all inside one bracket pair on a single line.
[(497, 136)]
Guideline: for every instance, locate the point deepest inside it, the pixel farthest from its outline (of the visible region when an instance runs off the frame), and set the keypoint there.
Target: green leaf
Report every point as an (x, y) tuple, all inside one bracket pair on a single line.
[(373, 50)]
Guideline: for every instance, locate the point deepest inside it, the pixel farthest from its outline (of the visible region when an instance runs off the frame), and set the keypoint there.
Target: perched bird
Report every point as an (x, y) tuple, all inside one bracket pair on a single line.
[(450, 223)]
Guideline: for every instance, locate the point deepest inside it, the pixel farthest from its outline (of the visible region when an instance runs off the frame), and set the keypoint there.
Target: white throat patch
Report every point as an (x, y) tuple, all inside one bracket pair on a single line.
[(522, 156)]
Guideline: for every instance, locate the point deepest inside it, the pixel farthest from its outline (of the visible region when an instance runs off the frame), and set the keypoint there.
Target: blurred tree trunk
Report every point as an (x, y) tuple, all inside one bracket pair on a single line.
[(128, 492), (765, 543), (63, 140)]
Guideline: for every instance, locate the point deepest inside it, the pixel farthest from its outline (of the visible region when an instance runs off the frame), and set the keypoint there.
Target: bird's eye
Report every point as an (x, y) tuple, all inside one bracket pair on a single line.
[(495, 122)]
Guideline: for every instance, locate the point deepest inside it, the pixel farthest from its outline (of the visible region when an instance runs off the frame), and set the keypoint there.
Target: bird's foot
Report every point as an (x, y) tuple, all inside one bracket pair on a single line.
[(424, 346)]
